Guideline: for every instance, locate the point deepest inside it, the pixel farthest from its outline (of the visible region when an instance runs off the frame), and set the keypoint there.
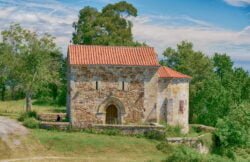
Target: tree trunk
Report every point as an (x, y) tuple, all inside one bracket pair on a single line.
[(3, 93), (28, 102), (12, 89)]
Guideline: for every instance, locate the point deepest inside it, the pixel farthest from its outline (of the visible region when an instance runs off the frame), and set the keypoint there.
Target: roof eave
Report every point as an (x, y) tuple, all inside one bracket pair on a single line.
[(114, 65)]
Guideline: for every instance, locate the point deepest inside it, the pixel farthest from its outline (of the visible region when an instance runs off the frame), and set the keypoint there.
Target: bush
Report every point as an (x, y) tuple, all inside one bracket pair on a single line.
[(231, 133), (155, 134), (184, 154), (111, 132), (233, 130), (165, 147), (172, 131), (30, 114), (31, 123), (187, 154)]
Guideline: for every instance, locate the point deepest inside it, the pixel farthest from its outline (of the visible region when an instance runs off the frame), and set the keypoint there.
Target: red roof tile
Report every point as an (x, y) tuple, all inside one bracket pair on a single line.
[(112, 55), (166, 72)]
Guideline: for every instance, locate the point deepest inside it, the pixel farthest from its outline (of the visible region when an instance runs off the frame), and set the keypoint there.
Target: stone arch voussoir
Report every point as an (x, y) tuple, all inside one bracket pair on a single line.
[(101, 110)]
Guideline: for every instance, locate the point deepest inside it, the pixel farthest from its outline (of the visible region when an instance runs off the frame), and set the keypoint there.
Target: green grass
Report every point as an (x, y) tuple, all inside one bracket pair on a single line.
[(13, 109), (83, 144), (78, 145)]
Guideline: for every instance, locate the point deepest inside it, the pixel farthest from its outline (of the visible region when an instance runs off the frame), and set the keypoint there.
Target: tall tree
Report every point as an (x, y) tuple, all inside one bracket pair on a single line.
[(216, 87), (206, 91), (235, 80), (107, 27), (36, 58), (222, 64), (5, 61)]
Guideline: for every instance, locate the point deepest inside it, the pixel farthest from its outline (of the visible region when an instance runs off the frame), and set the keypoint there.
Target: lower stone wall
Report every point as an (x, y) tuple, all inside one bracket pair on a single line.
[(55, 125), (193, 142), (127, 129), (183, 140), (203, 128), (122, 129)]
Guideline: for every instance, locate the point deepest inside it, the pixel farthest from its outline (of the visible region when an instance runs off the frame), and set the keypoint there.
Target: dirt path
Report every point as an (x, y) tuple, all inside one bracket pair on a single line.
[(11, 127)]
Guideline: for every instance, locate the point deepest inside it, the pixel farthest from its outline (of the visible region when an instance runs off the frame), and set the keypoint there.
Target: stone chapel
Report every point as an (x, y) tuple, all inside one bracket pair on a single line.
[(125, 86)]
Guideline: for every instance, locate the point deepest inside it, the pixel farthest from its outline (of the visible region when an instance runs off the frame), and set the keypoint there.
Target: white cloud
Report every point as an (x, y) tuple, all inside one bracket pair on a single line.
[(159, 31), (7, 11), (205, 37), (238, 3), (43, 17)]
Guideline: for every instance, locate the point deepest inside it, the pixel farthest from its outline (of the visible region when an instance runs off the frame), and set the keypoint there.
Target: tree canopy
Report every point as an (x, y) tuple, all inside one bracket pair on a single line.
[(216, 86), (109, 26), (35, 60)]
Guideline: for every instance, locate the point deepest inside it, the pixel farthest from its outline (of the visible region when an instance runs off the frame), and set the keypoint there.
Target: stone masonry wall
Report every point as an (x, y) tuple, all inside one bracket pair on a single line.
[(137, 101), (173, 102)]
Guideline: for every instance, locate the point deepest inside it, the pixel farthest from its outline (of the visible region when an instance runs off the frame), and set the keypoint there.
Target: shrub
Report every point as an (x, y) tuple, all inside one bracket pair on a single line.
[(31, 123), (155, 134), (111, 132), (233, 131), (187, 154), (184, 154), (30, 114), (165, 147), (230, 133), (172, 131)]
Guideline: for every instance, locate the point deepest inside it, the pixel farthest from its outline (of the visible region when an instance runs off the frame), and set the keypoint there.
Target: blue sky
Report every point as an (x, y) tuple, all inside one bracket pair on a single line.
[(212, 25)]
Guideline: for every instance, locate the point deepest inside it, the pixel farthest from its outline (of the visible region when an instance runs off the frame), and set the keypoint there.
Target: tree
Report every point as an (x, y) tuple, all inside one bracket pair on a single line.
[(4, 67), (216, 87), (222, 64), (235, 80), (195, 64), (242, 82), (36, 59), (55, 93), (2, 71), (233, 130), (107, 27)]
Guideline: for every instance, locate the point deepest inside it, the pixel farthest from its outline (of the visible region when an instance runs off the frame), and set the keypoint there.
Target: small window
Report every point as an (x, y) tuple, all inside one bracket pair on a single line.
[(123, 85), (96, 85), (181, 107)]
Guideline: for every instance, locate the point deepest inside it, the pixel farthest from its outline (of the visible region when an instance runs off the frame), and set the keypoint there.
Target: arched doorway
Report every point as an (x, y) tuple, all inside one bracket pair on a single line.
[(112, 115)]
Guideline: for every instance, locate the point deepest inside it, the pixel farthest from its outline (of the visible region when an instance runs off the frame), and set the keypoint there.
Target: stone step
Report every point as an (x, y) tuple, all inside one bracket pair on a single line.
[(51, 117)]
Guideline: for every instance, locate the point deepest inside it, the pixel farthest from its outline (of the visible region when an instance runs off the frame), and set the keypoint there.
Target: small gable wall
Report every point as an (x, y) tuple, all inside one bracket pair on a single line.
[(173, 102)]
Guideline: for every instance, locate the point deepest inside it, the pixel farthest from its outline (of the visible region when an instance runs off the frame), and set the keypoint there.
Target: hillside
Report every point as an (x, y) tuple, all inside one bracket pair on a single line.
[(53, 146)]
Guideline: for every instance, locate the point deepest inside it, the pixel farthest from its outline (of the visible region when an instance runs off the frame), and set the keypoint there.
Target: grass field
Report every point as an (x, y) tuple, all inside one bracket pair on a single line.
[(79, 146), (61, 146), (99, 146), (13, 109), (43, 145)]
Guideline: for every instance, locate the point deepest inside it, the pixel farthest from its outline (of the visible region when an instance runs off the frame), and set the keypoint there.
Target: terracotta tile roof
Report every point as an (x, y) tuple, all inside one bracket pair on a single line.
[(112, 55), (166, 72)]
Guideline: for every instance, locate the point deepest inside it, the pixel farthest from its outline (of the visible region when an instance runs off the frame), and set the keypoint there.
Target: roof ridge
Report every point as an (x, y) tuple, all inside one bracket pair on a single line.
[(167, 72), (112, 46)]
